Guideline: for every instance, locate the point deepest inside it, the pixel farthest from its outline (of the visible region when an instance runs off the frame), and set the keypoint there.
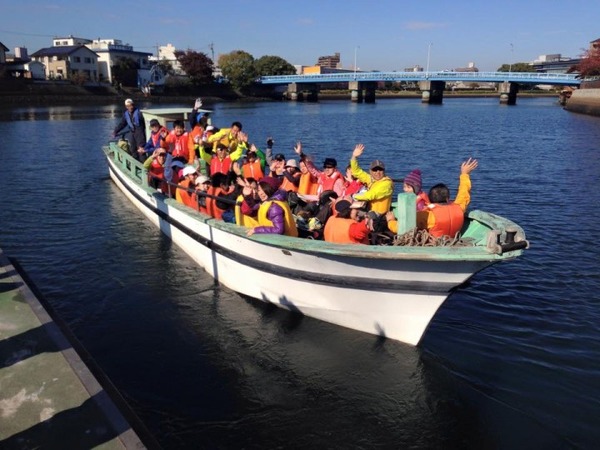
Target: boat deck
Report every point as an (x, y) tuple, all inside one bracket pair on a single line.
[(48, 396)]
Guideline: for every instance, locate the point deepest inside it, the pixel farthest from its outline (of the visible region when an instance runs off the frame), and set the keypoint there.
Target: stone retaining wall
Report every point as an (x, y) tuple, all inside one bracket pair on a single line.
[(584, 101)]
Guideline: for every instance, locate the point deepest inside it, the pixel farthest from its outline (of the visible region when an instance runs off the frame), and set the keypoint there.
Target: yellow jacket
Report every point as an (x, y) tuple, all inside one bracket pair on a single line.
[(224, 136), (379, 193)]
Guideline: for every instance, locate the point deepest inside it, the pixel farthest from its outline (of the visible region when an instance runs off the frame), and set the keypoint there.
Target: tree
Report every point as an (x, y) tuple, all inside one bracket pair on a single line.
[(273, 65), (125, 71), (166, 67), (589, 65), (197, 65), (238, 68), (516, 67)]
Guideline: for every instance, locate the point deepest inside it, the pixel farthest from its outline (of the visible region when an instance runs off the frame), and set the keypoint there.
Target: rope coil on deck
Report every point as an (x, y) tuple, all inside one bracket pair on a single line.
[(422, 238)]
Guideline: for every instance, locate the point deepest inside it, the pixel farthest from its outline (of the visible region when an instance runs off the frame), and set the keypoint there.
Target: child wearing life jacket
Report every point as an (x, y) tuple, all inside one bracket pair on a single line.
[(413, 183)]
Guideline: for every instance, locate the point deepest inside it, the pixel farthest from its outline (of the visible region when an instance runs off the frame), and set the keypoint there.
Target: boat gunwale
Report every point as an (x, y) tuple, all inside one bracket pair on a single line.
[(475, 253)]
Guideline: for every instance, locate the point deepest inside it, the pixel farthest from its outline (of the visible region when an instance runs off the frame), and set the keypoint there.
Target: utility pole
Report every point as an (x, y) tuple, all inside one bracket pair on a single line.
[(428, 55), (212, 51)]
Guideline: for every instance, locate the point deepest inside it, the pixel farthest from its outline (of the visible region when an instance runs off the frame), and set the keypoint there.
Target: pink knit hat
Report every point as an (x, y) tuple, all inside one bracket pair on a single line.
[(413, 179)]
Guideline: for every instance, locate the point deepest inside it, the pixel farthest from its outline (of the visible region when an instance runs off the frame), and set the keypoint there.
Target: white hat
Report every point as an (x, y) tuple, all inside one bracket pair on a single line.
[(188, 170), (202, 179), (128, 102), (291, 163), (210, 128)]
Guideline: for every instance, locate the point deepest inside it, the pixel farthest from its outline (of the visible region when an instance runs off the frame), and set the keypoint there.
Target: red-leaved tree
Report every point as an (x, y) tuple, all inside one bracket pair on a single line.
[(589, 65), (197, 65)]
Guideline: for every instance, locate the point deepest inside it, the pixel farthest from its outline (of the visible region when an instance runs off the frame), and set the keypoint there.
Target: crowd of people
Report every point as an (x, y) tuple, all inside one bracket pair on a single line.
[(218, 172)]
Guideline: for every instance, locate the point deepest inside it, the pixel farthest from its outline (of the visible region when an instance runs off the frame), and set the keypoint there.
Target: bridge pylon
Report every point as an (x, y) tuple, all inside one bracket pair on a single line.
[(508, 93), (432, 92)]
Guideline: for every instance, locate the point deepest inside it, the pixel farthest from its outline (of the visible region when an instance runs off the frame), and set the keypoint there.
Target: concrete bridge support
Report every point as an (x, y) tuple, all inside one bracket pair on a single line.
[(362, 91), (432, 92), (508, 93), (305, 91)]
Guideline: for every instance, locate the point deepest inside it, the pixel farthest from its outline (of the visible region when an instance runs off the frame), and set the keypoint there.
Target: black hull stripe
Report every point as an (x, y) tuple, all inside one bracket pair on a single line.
[(366, 284)]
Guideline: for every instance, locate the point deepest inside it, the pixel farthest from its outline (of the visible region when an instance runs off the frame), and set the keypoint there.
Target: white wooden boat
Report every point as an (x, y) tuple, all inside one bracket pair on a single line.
[(389, 291)]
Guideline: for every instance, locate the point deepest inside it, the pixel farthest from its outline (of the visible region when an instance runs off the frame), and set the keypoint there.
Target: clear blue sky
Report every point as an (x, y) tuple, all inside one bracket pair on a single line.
[(384, 35)]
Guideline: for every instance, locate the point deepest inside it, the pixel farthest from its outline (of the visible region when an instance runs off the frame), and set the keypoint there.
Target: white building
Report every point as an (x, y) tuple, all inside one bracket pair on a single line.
[(62, 62), (167, 53), (109, 52)]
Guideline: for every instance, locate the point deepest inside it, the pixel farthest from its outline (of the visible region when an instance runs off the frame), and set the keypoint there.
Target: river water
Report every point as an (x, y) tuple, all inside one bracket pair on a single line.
[(512, 360)]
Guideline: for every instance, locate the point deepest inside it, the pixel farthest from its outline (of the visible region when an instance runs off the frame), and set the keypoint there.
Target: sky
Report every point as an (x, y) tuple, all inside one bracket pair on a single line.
[(380, 35)]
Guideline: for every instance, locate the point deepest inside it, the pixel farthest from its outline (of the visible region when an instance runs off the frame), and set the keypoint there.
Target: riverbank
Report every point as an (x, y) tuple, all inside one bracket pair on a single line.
[(15, 93), (585, 100)]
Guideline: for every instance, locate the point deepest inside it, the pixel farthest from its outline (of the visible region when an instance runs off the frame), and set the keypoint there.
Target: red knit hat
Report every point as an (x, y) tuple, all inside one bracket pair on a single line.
[(413, 179)]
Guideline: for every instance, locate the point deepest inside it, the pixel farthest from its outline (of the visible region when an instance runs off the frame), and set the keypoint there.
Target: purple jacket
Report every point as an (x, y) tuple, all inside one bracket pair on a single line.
[(276, 215)]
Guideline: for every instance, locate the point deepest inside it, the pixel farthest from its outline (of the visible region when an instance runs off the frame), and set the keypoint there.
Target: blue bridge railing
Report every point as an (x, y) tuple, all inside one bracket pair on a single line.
[(482, 77)]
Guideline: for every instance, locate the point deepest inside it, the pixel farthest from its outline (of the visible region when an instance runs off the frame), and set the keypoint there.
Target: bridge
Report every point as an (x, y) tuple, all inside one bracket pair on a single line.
[(432, 84)]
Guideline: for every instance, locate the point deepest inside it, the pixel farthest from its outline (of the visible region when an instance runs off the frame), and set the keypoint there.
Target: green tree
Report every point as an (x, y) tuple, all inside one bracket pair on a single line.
[(166, 67), (516, 67), (197, 65), (273, 65), (238, 67), (125, 71)]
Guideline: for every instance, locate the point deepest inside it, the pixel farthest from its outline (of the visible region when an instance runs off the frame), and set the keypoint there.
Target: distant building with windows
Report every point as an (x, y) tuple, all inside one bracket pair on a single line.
[(64, 61), (330, 62), (3, 50), (470, 68), (167, 53), (553, 63), (110, 51)]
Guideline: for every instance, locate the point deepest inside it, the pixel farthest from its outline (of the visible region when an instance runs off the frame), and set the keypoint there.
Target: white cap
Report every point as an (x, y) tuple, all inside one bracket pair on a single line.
[(188, 170), (210, 128), (202, 179), (128, 102)]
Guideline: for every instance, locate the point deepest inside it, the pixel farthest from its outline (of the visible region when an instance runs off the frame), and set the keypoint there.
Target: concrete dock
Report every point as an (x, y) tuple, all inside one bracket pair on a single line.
[(49, 397)]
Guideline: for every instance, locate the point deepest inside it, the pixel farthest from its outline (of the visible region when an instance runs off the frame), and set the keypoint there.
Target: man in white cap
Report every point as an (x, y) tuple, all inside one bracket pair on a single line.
[(133, 129)]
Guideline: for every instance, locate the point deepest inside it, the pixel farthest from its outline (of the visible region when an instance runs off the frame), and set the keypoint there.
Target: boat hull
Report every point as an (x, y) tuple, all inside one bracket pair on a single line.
[(385, 293)]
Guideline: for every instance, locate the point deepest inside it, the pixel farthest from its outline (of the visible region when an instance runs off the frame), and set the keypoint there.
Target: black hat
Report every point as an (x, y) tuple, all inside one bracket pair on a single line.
[(154, 123), (279, 157), (342, 206), (331, 162)]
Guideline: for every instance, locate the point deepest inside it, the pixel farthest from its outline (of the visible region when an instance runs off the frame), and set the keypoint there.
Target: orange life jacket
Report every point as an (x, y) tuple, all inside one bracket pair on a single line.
[(185, 197), (337, 230), (218, 165), (449, 219), (201, 208), (196, 131), (253, 170), (211, 203), (309, 185), (178, 145), (287, 185)]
